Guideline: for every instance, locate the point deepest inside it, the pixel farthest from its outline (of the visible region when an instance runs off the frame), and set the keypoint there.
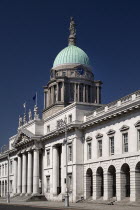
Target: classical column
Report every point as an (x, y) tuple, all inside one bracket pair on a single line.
[(78, 93), (63, 169), (15, 177), (57, 86), (98, 94), (19, 175), (24, 173), (62, 92), (83, 92), (36, 172), (29, 174), (75, 99), (55, 170), (87, 93)]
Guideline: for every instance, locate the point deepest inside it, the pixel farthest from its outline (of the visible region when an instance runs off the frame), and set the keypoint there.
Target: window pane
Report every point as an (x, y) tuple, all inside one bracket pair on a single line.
[(125, 142), (89, 150), (100, 148), (111, 139)]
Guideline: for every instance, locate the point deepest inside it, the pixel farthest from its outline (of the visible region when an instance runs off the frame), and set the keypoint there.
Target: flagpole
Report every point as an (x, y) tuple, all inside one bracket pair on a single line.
[(36, 98)]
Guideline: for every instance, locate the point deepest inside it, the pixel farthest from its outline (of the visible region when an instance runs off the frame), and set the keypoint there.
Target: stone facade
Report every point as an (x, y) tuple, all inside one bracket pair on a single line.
[(103, 143)]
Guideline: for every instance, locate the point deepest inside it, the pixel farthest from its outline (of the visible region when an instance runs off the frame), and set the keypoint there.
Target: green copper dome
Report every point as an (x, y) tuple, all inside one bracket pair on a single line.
[(71, 54)]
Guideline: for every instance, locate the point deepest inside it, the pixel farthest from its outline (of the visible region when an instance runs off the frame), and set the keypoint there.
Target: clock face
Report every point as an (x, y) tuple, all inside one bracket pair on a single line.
[(80, 71)]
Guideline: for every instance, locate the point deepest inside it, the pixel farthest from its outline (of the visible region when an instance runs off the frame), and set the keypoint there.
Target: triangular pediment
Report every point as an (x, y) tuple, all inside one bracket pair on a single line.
[(99, 135), (23, 136), (124, 128), (137, 124), (110, 132)]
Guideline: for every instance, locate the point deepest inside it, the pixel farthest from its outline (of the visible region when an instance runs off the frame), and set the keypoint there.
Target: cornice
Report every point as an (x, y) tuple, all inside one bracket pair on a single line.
[(114, 109)]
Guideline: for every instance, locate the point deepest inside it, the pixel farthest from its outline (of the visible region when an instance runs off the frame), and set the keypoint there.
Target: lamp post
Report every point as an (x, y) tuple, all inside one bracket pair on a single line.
[(63, 123), (8, 193)]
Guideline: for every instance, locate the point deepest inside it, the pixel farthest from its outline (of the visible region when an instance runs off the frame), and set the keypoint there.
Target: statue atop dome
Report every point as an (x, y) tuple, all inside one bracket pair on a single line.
[(72, 29)]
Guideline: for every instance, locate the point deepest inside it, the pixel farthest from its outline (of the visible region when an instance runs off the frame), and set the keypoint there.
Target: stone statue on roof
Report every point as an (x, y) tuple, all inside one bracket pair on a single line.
[(20, 121), (72, 27)]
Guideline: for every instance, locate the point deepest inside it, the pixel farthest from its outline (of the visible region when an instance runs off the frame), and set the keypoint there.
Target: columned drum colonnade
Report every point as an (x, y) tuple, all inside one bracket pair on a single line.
[(78, 92), (26, 169)]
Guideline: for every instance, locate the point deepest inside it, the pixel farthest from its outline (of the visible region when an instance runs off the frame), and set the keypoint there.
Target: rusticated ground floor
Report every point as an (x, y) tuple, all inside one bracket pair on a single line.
[(118, 179)]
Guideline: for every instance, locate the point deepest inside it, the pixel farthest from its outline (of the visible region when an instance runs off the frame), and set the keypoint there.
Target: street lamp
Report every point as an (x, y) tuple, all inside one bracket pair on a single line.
[(63, 123)]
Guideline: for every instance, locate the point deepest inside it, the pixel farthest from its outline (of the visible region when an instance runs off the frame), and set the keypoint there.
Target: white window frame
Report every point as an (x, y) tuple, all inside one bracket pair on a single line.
[(125, 144), (100, 154), (110, 146), (89, 150), (48, 157)]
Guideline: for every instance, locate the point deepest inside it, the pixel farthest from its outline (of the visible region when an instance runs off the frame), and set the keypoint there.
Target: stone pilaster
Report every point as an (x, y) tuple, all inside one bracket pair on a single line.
[(36, 172), (118, 186), (106, 196), (55, 170), (19, 175), (94, 187), (29, 174), (133, 193)]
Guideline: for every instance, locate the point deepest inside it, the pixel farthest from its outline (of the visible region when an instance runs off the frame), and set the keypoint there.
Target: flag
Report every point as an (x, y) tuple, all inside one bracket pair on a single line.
[(34, 97)]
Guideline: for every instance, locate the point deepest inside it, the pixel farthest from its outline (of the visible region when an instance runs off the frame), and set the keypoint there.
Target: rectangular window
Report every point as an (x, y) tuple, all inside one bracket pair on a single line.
[(89, 150), (138, 139), (70, 182), (125, 142), (48, 157), (70, 118), (111, 143), (69, 152), (100, 148), (48, 184), (48, 128)]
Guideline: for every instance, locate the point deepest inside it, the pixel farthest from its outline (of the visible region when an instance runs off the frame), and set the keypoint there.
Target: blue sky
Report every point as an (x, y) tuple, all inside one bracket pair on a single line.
[(33, 32)]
